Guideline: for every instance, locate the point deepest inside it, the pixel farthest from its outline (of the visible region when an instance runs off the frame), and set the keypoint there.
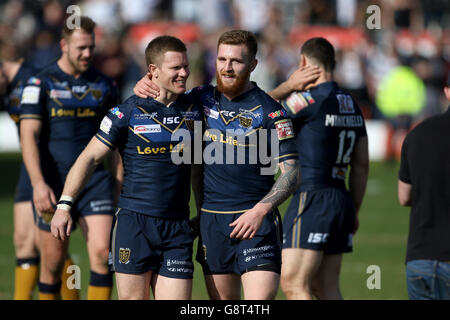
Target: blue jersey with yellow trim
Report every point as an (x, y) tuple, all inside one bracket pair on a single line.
[(327, 123), (15, 90), (71, 110), (233, 181), (143, 130)]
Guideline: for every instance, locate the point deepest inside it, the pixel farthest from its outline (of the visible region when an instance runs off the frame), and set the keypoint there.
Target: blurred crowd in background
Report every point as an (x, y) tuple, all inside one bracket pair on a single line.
[(394, 70)]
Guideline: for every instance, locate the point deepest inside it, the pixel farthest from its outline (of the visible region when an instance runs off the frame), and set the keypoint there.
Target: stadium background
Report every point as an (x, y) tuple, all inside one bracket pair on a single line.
[(412, 42)]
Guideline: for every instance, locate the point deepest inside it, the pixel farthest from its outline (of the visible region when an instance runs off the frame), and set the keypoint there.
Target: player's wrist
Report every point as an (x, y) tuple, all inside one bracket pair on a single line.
[(65, 203)]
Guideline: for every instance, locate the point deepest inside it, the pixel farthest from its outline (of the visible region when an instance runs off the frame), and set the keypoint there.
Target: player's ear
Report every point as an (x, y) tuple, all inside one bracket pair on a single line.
[(63, 45), (153, 69), (253, 64), (303, 60)]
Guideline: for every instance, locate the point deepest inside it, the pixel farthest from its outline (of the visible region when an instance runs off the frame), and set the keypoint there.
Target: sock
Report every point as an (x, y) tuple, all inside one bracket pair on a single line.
[(100, 286), (26, 276), (49, 291), (66, 293)]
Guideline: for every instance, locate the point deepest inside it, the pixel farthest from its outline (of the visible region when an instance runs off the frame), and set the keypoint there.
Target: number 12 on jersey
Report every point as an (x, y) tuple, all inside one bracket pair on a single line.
[(344, 155)]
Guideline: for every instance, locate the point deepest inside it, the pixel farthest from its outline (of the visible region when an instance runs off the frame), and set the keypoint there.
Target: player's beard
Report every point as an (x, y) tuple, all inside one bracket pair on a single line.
[(78, 66), (237, 87)]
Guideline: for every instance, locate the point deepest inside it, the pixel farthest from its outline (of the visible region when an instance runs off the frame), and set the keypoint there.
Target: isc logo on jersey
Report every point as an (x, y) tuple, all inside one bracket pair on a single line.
[(318, 237), (171, 120)]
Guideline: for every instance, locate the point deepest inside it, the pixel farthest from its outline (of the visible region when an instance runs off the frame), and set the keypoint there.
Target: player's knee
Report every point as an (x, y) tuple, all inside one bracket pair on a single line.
[(99, 255)]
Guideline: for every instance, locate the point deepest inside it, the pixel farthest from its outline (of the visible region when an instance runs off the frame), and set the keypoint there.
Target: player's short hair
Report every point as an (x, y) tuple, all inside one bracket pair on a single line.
[(159, 46), (321, 51), (237, 37), (86, 24)]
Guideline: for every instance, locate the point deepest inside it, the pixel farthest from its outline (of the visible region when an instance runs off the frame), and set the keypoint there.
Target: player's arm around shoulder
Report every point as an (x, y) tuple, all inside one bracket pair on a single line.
[(299, 80)]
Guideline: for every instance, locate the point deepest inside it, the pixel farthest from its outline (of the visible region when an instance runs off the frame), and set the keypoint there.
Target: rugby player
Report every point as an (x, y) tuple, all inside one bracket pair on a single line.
[(152, 240), (239, 222), (15, 75), (62, 107), (323, 216)]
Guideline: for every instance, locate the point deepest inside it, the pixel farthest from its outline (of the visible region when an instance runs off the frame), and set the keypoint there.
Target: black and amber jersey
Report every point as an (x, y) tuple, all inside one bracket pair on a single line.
[(242, 137), (70, 109), (148, 135), (327, 123)]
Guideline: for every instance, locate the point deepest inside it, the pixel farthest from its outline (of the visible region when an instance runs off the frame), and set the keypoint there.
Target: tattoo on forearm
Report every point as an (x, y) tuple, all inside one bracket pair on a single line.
[(285, 184)]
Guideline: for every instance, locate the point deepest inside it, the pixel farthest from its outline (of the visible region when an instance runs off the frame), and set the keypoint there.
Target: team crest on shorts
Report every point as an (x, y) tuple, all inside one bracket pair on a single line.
[(124, 255), (204, 251), (245, 121)]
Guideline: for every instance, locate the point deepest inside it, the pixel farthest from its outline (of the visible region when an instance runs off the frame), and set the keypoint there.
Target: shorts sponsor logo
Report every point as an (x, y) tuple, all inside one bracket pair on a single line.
[(179, 266), (318, 237), (105, 125), (124, 255), (147, 128), (285, 129), (102, 205)]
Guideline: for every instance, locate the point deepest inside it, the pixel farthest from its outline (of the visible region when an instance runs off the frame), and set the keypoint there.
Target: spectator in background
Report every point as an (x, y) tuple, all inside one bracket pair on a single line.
[(424, 186)]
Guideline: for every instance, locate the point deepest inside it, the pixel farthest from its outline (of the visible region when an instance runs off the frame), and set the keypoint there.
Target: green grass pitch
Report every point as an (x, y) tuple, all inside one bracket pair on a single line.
[(380, 241)]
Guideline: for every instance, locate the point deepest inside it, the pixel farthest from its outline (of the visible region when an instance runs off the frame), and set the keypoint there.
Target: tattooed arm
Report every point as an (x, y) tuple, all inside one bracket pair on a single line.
[(247, 224)]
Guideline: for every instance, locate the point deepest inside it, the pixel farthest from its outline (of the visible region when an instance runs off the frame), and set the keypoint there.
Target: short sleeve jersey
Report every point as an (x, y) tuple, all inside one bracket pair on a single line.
[(327, 124), (71, 110), (15, 90), (148, 134), (239, 136)]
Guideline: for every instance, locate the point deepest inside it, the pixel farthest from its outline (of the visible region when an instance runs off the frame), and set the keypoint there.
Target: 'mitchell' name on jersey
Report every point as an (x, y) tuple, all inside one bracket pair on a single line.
[(71, 110), (324, 106), (143, 130)]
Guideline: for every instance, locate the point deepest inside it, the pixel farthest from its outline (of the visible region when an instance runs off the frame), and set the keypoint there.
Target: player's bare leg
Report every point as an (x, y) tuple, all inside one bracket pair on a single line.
[(133, 286), (165, 288), (26, 251), (223, 286), (96, 230), (260, 285), (328, 277), (25, 240), (53, 254), (297, 272)]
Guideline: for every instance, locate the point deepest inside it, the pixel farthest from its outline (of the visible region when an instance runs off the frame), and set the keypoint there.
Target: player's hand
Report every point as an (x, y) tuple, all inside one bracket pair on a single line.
[(61, 225), (246, 226), (146, 88), (303, 78), (44, 198), (194, 223)]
